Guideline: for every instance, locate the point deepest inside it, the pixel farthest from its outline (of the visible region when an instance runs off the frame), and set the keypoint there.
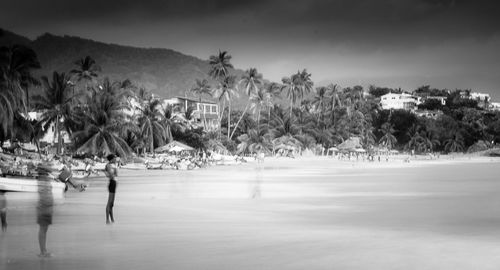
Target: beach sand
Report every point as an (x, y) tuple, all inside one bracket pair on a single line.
[(304, 213)]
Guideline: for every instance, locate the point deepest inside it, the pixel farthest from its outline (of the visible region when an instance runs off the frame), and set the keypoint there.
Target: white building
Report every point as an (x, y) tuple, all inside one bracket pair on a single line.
[(441, 99), (495, 106), (480, 97), (50, 136), (399, 101), (204, 113)]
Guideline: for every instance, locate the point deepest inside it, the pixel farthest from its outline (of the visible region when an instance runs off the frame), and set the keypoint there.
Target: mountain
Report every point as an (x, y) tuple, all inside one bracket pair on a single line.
[(165, 72)]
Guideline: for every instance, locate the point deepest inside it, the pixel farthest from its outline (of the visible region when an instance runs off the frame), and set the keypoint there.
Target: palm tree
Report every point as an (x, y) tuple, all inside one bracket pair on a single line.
[(56, 104), (416, 139), (225, 92), (251, 82), (202, 87), (220, 65), (273, 90), (254, 141), (429, 140), (290, 86), (454, 144), (260, 100), (334, 94), (172, 121), (11, 98), (87, 70), (319, 100), (306, 84), (296, 86), (150, 121), (388, 139), (16, 64), (104, 122)]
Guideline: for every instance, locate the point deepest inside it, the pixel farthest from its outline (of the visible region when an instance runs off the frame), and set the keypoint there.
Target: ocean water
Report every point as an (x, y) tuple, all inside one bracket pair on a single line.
[(314, 213)]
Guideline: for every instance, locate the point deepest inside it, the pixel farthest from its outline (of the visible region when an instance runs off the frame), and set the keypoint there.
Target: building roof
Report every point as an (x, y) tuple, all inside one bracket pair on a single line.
[(195, 100)]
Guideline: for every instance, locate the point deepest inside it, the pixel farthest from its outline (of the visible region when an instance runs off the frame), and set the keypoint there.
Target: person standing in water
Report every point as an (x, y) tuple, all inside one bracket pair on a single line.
[(45, 205), (3, 210), (111, 171)]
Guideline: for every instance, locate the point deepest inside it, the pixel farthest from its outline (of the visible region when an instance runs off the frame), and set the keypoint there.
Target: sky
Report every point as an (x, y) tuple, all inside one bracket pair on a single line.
[(395, 43)]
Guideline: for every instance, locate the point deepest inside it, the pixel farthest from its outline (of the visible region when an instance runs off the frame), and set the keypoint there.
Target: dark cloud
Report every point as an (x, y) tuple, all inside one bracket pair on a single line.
[(349, 38), (481, 15)]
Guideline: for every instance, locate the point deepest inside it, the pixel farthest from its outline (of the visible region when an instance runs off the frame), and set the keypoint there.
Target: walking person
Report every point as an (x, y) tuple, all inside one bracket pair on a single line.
[(111, 171), (3, 210), (45, 205)]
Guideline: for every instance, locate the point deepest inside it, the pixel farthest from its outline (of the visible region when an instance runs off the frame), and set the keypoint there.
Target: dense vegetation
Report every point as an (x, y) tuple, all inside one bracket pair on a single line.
[(100, 116)]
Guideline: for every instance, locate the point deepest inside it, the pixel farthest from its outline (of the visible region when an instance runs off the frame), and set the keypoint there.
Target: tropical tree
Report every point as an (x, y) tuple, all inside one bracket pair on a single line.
[(86, 71), (334, 93), (254, 141), (430, 140), (104, 122), (454, 144), (202, 87), (225, 92), (258, 101), (16, 65), (320, 100), (172, 121), (56, 105), (290, 87), (251, 81), (416, 139), (11, 98), (220, 65), (296, 86), (152, 130), (273, 90), (388, 139)]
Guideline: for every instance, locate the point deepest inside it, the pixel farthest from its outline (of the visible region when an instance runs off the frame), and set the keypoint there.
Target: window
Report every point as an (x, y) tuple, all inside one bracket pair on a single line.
[(214, 108), (207, 108)]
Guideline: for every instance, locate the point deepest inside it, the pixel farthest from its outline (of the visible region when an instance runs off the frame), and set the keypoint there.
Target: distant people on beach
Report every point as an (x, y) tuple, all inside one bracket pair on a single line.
[(66, 176), (111, 171), (260, 157), (45, 205)]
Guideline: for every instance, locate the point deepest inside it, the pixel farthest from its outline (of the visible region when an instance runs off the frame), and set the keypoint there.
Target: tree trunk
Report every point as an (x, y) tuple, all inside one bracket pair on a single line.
[(229, 119), (58, 134), (237, 123), (27, 99), (258, 121), (221, 112), (291, 108), (268, 116), (152, 142)]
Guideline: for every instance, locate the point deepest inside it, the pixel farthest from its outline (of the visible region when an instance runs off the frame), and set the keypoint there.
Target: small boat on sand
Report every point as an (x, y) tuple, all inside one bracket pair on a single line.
[(28, 184)]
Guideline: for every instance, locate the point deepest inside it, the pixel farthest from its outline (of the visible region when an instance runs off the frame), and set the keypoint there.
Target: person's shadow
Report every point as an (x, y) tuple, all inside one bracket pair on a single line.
[(45, 205)]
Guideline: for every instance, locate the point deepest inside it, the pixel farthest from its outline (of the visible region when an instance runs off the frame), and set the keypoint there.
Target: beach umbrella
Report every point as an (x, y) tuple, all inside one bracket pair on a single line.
[(360, 150), (351, 144), (334, 149)]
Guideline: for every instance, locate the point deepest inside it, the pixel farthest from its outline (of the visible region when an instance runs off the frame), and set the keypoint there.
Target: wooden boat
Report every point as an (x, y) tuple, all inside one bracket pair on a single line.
[(27, 184)]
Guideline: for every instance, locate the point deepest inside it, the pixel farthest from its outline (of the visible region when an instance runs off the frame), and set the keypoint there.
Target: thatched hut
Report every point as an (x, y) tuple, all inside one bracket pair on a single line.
[(350, 145)]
